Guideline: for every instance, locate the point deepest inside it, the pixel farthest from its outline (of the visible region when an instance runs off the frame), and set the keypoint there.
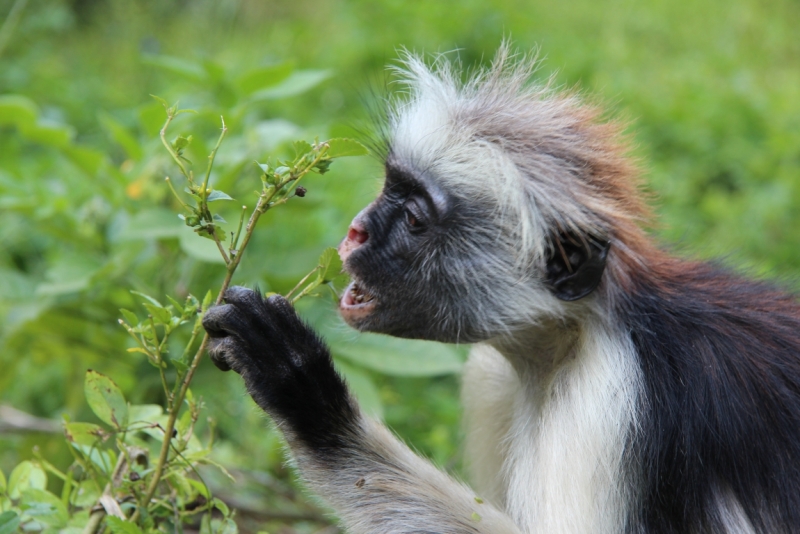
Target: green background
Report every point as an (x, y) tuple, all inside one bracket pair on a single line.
[(710, 91)]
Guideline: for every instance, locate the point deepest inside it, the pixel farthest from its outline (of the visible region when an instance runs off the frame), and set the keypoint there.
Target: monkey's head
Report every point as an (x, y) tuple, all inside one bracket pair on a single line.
[(502, 204)]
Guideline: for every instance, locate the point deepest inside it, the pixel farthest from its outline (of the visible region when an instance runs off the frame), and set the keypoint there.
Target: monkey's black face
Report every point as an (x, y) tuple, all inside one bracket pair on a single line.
[(400, 254)]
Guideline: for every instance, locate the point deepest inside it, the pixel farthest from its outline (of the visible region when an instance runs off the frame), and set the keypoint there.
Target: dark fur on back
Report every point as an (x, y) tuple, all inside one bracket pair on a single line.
[(721, 362)]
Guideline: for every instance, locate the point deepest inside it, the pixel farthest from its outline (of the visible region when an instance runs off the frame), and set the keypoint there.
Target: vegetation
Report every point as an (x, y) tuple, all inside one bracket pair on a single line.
[(88, 225)]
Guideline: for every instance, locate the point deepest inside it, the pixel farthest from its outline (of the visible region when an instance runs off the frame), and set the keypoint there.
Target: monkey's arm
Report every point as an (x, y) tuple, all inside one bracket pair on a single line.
[(373, 481)]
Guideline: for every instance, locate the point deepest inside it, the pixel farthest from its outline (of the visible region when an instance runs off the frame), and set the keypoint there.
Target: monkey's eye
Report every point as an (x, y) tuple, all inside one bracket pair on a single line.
[(413, 215)]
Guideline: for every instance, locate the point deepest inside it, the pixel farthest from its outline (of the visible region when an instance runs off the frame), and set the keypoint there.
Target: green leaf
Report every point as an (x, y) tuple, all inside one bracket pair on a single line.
[(155, 223), (149, 299), (363, 388), (106, 399), (177, 305), (18, 110), (301, 148), (87, 159), (3, 483), (51, 134), (184, 68), (330, 265), (263, 77), (342, 147), (9, 522), (120, 526), (130, 317), (147, 413), (160, 314), (160, 101), (26, 476), (181, 142), (207, 300), (120, 135), (222, 507), (200, 249), (216, 194), (44, 507), (226, 526), (297, 83), (199, 487), (83, 433), (400, 357)]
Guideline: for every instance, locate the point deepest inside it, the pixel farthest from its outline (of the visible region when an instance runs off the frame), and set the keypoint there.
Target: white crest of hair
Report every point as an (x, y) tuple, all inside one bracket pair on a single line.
[(498, 140), (547, 420)]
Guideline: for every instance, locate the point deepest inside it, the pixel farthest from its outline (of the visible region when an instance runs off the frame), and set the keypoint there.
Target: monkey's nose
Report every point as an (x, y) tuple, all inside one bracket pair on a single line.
[(357, 233), (356, 236)]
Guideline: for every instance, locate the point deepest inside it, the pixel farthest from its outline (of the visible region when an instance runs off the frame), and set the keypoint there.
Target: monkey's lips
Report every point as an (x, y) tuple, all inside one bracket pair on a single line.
[(356, 302)]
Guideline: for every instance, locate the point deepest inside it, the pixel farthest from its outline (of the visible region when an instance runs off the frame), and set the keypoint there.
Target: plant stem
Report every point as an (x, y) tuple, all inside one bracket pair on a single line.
[(263, 205), (168, 146), (204, 193)]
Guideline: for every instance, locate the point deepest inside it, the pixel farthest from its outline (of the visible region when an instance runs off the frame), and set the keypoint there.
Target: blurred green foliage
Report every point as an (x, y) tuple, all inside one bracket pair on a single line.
[(710, 90)]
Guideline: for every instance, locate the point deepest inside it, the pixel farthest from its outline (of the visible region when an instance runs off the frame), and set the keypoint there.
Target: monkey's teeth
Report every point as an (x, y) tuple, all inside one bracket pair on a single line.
[(358, 295)]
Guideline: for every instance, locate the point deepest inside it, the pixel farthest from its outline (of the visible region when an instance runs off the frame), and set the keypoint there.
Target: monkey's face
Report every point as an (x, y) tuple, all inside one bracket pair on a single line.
[(421, 267)]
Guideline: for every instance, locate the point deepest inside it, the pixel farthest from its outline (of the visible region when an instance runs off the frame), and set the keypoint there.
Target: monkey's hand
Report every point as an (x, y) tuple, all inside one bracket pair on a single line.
[(286, 367)]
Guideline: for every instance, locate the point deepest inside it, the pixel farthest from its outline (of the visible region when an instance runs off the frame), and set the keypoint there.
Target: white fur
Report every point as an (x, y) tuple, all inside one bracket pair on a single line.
[(547, 431), (385, 488)]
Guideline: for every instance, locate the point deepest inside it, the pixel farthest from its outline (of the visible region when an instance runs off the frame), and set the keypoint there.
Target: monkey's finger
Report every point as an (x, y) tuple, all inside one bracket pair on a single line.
[(218, 349), (241, 296), (220, 321), (284, 316)]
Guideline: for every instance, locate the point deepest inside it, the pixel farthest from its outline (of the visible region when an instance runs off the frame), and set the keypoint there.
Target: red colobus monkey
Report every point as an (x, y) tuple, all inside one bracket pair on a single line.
[(612, 388)]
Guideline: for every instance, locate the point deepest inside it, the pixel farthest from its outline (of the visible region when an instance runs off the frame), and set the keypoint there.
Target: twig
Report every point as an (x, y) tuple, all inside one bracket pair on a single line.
[(13, 420)]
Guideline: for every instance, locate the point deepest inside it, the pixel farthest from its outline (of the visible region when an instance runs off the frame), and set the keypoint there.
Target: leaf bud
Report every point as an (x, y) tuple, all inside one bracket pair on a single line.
[(300, 191)]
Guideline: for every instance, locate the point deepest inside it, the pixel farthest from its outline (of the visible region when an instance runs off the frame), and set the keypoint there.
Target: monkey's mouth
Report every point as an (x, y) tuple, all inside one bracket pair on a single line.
[(356, 302)]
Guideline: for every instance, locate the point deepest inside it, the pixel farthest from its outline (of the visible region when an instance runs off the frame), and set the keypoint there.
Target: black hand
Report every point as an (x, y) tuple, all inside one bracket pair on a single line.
[(286, 367)]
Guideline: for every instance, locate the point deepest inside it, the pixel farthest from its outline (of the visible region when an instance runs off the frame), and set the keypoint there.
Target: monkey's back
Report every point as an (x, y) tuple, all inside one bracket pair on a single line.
[(720, 432)]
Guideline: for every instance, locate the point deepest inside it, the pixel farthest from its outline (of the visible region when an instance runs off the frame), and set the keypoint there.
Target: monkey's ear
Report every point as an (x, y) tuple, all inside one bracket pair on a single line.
[(576, 265)]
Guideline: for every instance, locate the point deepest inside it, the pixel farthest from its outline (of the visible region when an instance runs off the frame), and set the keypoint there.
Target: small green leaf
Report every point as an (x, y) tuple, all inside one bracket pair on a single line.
[(227, 526), (181, 67), (343, 147), (200, 249), (222, 507), (181, 142), (3, 483), (199, 487), (120, 526), (297, 83), (330, 265), (218, 218), (160, 101), (263, 77), (129, 316), (216, 194), (106, 399), (26, 476), (44, 507), (400, 357), (120, 134), (207, 300), (160, 315), (177, 305), (150, 299), (83, 433), (301, 148), (9, 522), (145, 413), (18, 110)]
